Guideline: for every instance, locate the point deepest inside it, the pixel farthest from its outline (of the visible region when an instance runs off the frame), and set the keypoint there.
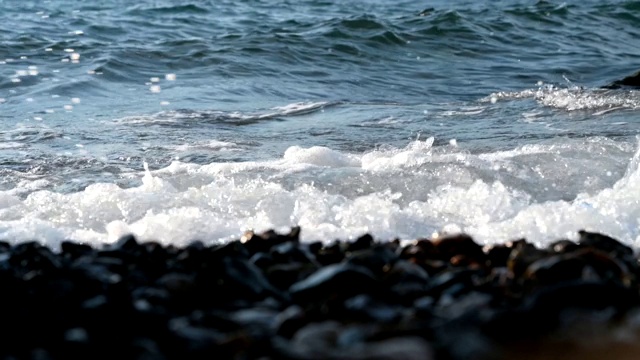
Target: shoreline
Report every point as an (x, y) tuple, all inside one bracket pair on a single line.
[(269, 296)]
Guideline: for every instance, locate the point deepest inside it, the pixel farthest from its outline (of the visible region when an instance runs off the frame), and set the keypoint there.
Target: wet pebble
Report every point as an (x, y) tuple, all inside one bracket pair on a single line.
[(269, 296)]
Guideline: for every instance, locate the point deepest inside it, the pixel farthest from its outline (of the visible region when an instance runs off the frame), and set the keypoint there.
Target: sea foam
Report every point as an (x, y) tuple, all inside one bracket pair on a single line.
[(542, 192)]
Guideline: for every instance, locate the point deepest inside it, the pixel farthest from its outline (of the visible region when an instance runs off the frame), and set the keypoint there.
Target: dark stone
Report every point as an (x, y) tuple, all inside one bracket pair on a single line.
[(460, 245), (631, 81), (330, 254), (523, 255), (194, 340), (33, 256), (363, 242), (453, 282), (604, 243), (282, 276), (497, 255), (230, 249), (290, 320), (262, 260), (365, 308), (377, 259), (586, 264), (4, 246), (338, 280), (563, 246), (273, 297), (265, 241), (127, 243), (74, 250), (243, 279), (291, 252), (420, 251)]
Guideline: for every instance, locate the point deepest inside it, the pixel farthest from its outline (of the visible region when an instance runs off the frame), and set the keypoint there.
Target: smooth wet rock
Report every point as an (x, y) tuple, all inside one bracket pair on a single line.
[(376, 259), (604, 243), (365, 308), (243, 279), (631, 81), (459, 246), (265, 241), (282, 276), (330, 254), (363, 242), (362, 300), (338, 280), (563, 246), (522, 255), (331, 340), (497, 255), (585, 264), (73, 250)]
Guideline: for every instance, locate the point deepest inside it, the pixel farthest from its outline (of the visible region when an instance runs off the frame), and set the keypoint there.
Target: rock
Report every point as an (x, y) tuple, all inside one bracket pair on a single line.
[(497, 255), (338, 280), (289, 321), (522, 255), (245, 280), (401, 348), (376, 259), (265, 241), (604, 243), (631, 81), (272, 297), (462, 247), (363, 242), (365, 308)]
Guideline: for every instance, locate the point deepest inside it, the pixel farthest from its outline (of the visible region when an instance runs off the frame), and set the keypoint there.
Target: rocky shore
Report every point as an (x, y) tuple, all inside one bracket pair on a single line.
[(269, 296)]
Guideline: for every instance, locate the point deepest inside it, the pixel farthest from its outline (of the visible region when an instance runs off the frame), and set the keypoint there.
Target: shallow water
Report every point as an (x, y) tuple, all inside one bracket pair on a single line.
[(342, 117)]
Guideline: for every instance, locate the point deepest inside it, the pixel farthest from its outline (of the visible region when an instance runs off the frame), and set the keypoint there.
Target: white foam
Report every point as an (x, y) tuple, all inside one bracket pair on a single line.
[(320, 156), (542, 192), (575, 98), (172, 117), (211, 145)]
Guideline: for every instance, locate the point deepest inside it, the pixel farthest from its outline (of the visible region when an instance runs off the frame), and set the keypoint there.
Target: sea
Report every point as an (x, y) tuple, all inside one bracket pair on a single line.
[(179, 120)]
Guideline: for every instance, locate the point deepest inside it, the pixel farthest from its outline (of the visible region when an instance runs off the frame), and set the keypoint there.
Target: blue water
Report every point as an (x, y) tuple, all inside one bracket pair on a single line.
[(259, 114)]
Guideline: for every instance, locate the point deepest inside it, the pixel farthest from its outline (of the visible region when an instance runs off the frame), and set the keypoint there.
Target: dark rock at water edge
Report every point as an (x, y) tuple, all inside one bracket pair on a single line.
[(269, 296), (629, 82)]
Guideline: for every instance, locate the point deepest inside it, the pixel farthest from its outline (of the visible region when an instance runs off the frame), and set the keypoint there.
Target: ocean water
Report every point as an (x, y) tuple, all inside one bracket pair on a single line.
[(181, 121)]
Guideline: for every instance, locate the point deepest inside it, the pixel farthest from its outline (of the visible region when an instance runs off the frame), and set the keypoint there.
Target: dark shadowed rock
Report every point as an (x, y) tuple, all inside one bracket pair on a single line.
[(265, 241), (462, 247), (604, 243), (631, 81), (270, 296), (338, 280)]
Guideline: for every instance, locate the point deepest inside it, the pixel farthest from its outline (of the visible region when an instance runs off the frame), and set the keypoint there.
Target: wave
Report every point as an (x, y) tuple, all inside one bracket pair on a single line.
[(599, 101), (188, 117), (395, 192)]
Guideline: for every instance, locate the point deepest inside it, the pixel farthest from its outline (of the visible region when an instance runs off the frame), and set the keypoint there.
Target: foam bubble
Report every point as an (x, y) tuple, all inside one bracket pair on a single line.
[(320, 156), (574, 98), (405, 192)]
